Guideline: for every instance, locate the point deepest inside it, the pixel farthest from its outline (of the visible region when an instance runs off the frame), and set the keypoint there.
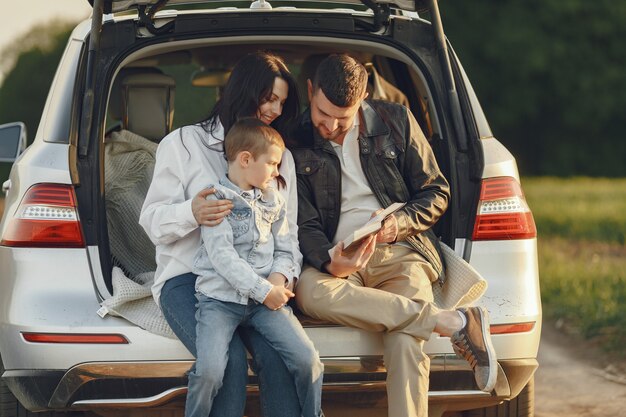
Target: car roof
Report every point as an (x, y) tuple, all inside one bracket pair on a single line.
[(122, 5)]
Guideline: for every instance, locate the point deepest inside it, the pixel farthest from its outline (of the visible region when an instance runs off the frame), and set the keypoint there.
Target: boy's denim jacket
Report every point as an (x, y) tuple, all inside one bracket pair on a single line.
[(238, 255)]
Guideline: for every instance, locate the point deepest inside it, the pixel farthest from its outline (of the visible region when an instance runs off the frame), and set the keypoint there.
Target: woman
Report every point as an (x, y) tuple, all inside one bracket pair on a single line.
[(187, 161)]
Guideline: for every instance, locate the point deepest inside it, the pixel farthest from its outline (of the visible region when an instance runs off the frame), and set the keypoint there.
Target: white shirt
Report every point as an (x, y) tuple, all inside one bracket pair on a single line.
[(185, 166), (358, 202)]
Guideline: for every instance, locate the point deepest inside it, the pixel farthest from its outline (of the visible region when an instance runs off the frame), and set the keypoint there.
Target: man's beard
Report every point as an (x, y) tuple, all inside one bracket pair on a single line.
[(331, 135)]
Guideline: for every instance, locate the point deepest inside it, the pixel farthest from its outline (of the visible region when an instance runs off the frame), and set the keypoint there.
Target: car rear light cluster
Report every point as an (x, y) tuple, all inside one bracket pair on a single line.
[(46, 217), (503, 213), (512, 328), (78, 338)]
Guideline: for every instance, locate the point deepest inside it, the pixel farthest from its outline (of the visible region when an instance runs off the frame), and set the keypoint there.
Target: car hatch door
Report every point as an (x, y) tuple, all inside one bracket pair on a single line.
[(112, 6)]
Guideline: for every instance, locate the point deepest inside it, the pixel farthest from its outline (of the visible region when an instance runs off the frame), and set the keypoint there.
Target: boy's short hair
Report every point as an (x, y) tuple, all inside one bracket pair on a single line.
[(342, 78), (252, 135)]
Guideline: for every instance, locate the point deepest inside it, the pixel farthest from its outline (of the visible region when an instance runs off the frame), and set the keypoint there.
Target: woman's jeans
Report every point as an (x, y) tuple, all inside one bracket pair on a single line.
[(218, 321), (278, 394)]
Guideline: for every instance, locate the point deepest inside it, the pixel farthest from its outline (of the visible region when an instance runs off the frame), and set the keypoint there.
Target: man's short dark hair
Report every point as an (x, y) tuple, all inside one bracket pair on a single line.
[(342, 78)]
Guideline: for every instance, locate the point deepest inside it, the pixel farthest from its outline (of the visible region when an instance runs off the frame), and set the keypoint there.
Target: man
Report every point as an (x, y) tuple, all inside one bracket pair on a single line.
[(354, 157)]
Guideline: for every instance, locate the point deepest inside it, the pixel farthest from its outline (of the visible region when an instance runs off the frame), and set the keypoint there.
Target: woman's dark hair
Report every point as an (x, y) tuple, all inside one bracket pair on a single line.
[(250, 84)]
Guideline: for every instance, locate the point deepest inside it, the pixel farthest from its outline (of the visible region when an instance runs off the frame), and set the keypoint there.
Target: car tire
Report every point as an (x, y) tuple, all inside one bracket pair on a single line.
[(10, 406), (521, 406)]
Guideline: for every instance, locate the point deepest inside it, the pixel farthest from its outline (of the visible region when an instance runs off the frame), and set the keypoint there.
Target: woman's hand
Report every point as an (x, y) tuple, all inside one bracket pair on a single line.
[(209, 212)]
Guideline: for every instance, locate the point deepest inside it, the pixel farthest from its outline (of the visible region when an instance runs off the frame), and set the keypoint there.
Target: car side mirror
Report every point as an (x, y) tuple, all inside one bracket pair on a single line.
[(12, 141)]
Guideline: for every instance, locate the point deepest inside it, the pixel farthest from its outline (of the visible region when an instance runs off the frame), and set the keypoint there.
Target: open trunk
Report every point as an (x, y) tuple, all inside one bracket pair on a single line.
[(197, 68)]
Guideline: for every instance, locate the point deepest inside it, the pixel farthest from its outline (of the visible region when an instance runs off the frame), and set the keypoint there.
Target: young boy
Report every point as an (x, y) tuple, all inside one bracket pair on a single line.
[(243, 266)]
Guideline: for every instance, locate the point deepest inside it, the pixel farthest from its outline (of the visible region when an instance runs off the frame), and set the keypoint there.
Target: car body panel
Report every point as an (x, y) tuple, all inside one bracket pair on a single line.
[(499, 162), (55, 126)]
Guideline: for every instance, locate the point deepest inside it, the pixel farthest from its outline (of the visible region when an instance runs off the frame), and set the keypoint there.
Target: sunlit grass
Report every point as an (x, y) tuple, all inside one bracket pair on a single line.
[(582, 256), (579, 208), (584, 285)]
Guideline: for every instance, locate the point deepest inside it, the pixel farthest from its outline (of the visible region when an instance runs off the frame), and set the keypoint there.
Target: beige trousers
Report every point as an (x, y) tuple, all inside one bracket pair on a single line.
[(393, 296)]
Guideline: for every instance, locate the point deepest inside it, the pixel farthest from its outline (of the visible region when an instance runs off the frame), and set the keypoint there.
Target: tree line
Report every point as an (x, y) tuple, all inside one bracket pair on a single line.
[(550, 74), (551, 77), (28, 67)]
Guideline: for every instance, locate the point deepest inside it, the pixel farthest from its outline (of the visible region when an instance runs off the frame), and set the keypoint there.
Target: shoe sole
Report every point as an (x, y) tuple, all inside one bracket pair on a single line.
[(491, 353)]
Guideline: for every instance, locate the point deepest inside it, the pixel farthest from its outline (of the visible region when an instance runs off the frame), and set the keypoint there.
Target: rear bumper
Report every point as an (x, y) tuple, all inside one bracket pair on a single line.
[(107, 385)]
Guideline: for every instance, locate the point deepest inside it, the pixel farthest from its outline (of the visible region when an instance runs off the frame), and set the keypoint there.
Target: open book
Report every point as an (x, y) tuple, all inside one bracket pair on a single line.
[(354, 240)]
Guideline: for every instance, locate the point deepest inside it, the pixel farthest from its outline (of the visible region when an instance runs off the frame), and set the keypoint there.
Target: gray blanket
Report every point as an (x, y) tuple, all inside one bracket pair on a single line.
[(128, 166)]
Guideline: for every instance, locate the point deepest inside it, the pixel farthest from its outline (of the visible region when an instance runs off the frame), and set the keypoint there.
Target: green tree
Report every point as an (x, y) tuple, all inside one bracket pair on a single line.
[(29, 66), (550, 76)]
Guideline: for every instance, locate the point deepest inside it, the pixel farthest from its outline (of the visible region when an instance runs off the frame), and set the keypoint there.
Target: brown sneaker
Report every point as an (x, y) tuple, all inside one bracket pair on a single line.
[(473, 342)]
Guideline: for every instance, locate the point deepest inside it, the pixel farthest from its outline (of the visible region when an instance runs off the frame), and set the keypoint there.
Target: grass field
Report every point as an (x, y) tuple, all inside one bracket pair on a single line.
[(582, 255)]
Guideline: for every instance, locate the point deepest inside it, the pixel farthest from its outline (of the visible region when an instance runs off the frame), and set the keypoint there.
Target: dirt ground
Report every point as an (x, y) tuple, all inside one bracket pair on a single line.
[(576, 379)]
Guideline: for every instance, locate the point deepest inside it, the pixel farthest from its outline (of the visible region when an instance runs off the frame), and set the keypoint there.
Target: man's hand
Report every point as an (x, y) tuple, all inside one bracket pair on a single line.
[(209, 212), (277, 297), (342, 266), (389, 232)]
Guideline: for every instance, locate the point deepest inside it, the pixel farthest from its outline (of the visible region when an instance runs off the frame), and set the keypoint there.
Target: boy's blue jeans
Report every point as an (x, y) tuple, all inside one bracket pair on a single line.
[(218, 321), (278, 395)]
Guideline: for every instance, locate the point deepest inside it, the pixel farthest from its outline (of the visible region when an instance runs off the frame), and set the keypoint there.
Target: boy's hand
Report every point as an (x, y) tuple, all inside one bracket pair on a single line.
[(276, 278), (277, 297), (209, 212)]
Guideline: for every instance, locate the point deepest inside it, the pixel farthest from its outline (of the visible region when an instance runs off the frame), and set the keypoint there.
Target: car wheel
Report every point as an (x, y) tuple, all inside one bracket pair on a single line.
[(521, 406), (9, 405)]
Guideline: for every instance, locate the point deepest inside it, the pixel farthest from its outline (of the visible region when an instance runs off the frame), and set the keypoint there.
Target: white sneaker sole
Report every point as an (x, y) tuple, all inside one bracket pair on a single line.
[(491, 353)]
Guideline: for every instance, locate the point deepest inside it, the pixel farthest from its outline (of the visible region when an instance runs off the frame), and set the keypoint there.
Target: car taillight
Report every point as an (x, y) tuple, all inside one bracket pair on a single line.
[(46, 217), (74, 338), (503, 213), (512, 328)]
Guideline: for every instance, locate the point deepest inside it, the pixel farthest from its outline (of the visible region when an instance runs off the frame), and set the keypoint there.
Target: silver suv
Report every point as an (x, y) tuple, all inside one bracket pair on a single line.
[(140, 67)]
